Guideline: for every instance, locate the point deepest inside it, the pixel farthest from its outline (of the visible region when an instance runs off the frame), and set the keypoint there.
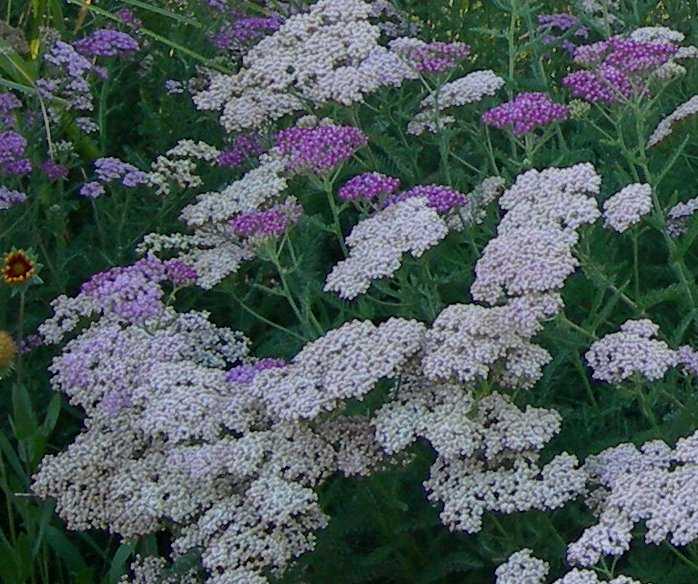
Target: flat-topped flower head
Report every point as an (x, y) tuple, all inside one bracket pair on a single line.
[(18, 267), (106, 43), (319, 150), (368, 186), (440, 198), (244, 148), (54, 171), (10, 198), (272, 222), (525, 113), (92, 190)]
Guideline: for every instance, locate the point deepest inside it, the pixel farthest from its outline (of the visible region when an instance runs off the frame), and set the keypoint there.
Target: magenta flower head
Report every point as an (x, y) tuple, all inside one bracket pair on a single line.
[(54, 171), (525, 113), (106, 42), (368, 186), (179, 273), (260, 224), (245, 147), (441, 199), (319, 150), (605, 85), (129, 18), (273, 222), (619, 69)]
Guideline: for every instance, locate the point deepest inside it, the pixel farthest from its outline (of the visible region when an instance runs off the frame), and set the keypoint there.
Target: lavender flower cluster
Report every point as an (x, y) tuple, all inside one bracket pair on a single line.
[(13, 160)]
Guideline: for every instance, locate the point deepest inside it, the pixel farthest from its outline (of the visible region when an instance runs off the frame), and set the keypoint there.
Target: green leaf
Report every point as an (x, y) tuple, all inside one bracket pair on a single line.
[(23, 417), (118, 563)]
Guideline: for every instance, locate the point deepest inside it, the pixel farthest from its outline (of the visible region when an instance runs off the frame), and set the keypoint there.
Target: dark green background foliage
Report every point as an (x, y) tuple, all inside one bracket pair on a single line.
[(382, 528)]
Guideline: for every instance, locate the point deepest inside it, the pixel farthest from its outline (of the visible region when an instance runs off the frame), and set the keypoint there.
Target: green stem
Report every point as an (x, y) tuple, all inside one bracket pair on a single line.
[(265, 320)]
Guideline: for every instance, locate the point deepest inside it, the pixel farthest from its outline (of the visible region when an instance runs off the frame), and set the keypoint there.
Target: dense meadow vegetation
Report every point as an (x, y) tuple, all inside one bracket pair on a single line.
[(347, 291)]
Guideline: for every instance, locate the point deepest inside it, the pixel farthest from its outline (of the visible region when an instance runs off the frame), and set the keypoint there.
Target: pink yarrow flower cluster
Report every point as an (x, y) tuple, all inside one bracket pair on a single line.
[(368, 186), (436, 57), (619, 68), (319, 150), (441, 199), (525, 113)]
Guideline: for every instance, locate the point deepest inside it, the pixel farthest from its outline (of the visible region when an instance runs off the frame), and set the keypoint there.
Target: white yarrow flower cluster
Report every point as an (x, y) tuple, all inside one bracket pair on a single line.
[(532, 252), (378, 243), (328, 54), (471, 88), (665, 128), (627, 207), (632, 350)]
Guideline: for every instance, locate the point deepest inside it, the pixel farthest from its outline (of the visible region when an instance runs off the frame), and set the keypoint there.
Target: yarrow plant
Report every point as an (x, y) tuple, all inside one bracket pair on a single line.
[(380, 293)]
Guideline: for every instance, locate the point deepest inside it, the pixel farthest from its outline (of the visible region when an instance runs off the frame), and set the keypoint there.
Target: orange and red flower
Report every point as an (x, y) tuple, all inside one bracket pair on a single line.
[(18, 267)]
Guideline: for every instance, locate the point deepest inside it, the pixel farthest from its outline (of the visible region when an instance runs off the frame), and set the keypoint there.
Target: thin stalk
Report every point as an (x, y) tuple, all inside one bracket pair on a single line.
[(327, 187), (265, 320)]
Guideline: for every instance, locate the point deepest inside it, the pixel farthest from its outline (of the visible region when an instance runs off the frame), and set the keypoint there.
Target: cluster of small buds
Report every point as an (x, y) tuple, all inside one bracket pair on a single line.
[(10, 198), (178, 166), (154, 570), (369, 186), (627, 207), (678, 217), (86, 125), (440, 198), (318, 150), (665, 128), (525, 113), (8, 103), (245, 147), (475, 209), (429, 58), (272, 222), (106, 43), (13, 159), (601, 12), (174, 87), (633, 350), (532, 252), (377, 244)]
